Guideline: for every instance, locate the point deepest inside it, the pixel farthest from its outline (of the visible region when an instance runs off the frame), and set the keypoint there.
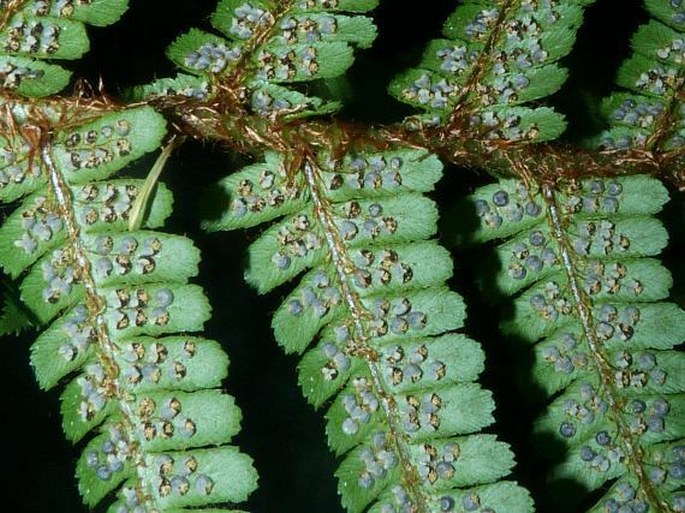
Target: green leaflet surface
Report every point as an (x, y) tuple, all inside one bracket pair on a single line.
[(497, 59), (649, 114), (139, 392), (34, 31), (590, 301), (266, 46), (375, 326)]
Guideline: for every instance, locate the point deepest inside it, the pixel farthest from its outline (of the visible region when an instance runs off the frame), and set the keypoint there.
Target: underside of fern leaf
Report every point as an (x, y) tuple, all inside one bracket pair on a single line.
[(33, 33), (119, 312), (375, 324), (266, 48), (497, 59), (589, 298), (649, 116)]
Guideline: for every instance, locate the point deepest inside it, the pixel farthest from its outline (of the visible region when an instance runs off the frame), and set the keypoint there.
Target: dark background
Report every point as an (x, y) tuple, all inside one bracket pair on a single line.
[(280, 431)]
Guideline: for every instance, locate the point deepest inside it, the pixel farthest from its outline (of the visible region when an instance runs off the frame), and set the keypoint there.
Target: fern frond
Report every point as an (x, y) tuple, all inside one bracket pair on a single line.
[(376, 324), (119, 309), (590, 300), (33, 33), (649, 115), (266, 46), (497, 59)]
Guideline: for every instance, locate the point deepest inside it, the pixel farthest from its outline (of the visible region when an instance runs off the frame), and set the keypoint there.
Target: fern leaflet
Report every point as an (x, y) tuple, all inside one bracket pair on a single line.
[(34, 32), (650, 116), (590, 300), (375, 323), (497, 58), (114, 300), (270, 46)]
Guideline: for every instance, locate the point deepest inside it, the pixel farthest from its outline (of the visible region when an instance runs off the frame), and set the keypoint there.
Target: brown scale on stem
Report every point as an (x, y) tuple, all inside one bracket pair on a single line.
[(227, 118)]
